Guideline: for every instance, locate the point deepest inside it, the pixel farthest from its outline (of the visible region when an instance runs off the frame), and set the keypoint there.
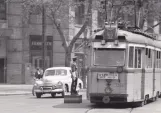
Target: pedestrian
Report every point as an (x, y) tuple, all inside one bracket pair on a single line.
[(74, 69), (41, 72), (38, 74)]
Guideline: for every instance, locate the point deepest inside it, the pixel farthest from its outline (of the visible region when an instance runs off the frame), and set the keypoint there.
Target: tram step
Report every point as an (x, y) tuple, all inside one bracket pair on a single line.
[(73, 99)]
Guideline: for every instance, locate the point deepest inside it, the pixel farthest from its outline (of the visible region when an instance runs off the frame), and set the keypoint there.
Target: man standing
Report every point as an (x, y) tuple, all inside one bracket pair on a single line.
[(74, 76)]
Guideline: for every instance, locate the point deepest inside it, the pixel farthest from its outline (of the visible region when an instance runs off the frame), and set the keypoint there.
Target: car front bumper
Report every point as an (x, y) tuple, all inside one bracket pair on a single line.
[(49, 91)]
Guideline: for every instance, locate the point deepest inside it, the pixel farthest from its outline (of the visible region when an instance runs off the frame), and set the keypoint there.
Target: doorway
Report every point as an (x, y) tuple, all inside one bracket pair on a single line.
[(38, 62), (2, 70)]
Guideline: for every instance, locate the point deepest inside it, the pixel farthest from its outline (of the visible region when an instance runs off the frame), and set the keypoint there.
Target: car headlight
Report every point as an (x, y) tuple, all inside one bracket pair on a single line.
[(37, 86), (59, 84)]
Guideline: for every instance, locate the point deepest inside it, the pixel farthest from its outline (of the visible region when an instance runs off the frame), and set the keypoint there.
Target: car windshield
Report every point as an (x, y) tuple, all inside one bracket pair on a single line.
[(109, 57), (56, 72)]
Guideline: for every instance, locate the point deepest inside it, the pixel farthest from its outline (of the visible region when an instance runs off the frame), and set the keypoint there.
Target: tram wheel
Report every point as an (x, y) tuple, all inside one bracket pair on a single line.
[(153, 99), (141, 104), (146, 100), (157, 96)]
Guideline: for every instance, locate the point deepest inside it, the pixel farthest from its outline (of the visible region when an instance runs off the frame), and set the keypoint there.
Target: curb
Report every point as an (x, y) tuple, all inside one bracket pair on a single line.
[(3, 93), (25, 93), (14, 93)]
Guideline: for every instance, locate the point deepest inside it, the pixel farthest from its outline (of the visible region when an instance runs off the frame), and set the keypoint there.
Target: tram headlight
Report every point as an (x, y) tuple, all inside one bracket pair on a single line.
[(119, 69), (103, 42), (116, 42)]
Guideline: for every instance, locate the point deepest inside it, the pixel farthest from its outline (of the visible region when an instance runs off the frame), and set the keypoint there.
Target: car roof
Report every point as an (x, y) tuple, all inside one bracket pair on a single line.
[(51, 68)]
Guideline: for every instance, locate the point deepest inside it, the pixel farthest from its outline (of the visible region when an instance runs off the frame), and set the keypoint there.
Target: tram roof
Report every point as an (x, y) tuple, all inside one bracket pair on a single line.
[(134, 38)]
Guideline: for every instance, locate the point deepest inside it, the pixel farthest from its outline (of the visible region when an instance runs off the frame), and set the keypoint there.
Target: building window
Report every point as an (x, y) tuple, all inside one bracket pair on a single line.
[(36, 51), (100, 19), (3, 10), (35, 10), (79, 11)]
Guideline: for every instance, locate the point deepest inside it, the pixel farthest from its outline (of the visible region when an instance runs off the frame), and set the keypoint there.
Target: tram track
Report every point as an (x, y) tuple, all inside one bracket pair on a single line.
[(89, 110), (131, 110)]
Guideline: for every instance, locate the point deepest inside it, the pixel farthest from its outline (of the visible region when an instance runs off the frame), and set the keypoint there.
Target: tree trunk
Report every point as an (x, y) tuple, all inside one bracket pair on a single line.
[(68, 57)]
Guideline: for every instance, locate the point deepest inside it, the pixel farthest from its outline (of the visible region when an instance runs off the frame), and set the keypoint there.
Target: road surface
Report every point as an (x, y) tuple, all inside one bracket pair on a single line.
[(46, 104)]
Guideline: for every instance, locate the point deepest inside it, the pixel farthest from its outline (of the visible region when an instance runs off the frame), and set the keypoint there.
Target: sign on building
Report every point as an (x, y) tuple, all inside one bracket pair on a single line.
[(36, 50)]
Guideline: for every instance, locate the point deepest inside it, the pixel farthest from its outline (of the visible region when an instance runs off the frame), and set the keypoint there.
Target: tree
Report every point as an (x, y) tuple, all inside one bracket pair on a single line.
[(57, 11), (126, 10)]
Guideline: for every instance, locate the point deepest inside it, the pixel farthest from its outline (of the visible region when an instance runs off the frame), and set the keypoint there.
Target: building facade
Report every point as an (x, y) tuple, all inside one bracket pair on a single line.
[(21, 44)]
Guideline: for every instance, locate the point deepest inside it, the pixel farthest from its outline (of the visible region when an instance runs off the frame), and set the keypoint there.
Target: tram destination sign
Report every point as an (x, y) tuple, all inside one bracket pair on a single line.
[(107, 75)]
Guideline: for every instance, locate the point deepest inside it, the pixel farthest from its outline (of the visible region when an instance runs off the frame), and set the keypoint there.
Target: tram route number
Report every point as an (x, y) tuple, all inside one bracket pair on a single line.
[(119, 85), (107, 75)]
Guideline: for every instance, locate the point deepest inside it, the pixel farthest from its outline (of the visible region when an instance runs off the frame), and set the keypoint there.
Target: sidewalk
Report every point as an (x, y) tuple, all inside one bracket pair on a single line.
[(19, 89)]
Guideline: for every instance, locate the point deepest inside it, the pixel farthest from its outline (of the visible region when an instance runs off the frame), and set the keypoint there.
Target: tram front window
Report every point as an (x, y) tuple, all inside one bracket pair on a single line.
[(109, 57)]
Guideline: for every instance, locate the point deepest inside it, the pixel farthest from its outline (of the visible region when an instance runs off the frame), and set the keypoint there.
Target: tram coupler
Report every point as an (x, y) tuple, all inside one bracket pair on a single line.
[(106, 99)]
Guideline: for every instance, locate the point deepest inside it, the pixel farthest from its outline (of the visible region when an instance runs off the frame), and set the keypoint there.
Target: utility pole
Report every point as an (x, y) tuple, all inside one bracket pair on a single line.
[(135, 13), (43, 35), (105, 10), (84, 58)]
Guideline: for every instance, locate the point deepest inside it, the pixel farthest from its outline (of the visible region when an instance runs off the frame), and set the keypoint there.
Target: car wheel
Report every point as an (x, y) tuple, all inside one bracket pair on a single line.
[(63, 93), (53, 95), (38, 95)]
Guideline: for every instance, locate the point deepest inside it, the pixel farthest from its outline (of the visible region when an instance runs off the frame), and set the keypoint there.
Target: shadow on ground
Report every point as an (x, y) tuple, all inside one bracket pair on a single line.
[(87, 104), (48, 97)]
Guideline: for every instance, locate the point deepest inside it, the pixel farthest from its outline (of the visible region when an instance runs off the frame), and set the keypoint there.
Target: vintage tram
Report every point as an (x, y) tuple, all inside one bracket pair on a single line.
[(124, 65)]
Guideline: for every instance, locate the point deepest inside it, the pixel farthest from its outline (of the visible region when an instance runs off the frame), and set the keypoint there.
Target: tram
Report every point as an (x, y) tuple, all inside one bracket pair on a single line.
[(124, 65)]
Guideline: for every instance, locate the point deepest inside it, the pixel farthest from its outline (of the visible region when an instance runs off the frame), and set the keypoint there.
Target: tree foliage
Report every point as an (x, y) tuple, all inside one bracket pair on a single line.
[(124, 10), (58, 12), (116, 10)]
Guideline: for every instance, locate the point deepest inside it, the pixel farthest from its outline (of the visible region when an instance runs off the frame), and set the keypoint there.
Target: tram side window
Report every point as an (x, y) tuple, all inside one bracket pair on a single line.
[(156, 59), (131, 56), (138, 57), (148, 55), (159, 59)]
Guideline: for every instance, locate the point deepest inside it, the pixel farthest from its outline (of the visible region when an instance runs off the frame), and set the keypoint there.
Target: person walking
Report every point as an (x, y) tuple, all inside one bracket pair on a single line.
[(38, 75)]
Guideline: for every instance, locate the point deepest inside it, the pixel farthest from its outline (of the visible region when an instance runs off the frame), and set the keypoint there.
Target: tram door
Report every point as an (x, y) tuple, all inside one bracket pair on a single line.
[(2, 71)]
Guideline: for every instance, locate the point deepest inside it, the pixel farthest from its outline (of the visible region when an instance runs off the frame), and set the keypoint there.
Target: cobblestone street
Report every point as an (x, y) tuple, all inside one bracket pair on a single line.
[(46, 104)]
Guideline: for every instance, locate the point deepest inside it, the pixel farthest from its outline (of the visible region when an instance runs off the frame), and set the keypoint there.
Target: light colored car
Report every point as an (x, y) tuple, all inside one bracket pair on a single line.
[(55, 80)]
